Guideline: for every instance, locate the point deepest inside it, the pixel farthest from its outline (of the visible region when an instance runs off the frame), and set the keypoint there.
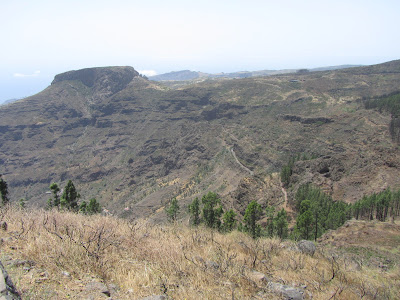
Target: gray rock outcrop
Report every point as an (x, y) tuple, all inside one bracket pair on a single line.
[(287, 292), (7, 289), (306, 247), (155, 297)]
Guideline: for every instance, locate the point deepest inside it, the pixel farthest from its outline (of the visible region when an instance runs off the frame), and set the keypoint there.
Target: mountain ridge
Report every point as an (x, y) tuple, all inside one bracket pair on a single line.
[(185, 75), (139, 146)]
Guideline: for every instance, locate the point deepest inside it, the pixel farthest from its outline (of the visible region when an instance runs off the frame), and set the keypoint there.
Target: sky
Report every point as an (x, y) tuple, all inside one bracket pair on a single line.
[(42, 38)]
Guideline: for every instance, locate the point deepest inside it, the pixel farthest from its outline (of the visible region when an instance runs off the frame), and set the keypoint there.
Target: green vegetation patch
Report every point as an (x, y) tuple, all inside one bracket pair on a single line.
[(391, 104)]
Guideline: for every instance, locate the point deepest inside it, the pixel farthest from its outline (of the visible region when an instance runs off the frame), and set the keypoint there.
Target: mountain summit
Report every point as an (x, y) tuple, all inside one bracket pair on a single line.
[(102, 79)]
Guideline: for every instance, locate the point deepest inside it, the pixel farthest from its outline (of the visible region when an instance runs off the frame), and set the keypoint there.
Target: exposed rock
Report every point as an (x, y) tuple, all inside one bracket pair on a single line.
[(287, 292), (211, 264), (66, 274), (19, 262), (96, 286), (306, 247), (258, 277), (7, 289), (155, 297), (353, 265)]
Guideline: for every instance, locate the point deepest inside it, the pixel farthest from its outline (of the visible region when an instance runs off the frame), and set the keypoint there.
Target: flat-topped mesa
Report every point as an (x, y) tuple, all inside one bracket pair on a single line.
[(102, 79)]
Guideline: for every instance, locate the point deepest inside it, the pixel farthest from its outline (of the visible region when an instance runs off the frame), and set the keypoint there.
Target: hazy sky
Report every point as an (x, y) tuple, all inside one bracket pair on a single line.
[(41, 38)]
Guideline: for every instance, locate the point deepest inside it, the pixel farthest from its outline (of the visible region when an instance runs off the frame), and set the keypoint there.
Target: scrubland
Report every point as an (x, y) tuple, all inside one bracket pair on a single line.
[(60, 253)]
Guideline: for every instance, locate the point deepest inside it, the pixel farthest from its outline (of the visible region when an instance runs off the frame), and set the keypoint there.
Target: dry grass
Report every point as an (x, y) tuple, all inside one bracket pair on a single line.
[(142, 259)]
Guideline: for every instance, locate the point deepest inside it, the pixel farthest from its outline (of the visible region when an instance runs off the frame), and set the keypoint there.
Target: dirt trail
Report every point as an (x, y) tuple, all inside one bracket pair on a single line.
[(286, 204), (240, 164)]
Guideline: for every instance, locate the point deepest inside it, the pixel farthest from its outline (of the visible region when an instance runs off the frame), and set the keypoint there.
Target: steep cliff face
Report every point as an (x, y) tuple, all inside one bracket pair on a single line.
[(105, 80), (134, 144)]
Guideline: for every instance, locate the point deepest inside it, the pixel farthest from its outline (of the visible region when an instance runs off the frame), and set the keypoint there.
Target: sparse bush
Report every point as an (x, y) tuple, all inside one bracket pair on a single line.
[(185, 262), (21, 203)]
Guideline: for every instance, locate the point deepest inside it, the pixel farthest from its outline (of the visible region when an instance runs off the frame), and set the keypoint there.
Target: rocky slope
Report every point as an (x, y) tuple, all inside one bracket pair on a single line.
[(134, 144)]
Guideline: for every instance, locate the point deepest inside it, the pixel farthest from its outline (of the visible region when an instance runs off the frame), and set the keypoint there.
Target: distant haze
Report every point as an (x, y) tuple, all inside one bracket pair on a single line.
[(43, 38)]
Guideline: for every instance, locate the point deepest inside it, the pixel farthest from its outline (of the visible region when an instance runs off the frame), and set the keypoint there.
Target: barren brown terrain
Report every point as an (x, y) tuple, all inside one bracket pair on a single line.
[(134, 144)]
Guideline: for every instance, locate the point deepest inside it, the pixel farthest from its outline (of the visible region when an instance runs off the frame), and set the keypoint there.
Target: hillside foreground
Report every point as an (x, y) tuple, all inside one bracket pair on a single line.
[(62, 255)]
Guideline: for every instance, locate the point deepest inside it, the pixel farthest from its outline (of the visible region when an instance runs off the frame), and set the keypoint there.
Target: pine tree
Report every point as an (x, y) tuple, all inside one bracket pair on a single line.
[(281, 224), (172, 210), (3, 192), (229, 219), (304, 222), (55, 190), (251, 216), (83, 207), (194, 211), (212, 210), (269, 213), (69, 198), (93, 207)]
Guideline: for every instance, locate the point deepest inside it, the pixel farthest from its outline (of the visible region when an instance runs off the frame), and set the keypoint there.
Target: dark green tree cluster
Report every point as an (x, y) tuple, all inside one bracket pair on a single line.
[(277, 223), (391, 104), (3, 192), (210, 212), (69, 200), (317, 212), (378, 206), (90, 209), (287, 170)]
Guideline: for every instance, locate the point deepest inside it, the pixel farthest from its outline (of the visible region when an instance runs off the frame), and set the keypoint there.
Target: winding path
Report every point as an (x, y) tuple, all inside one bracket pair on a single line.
[(240, 164), (286, 204)]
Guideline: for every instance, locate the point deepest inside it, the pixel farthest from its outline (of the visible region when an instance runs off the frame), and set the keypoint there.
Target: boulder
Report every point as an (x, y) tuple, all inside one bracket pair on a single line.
[(211, 265), (258, 277), (306, 247), (155, 297), (287, 292), (96, 286)]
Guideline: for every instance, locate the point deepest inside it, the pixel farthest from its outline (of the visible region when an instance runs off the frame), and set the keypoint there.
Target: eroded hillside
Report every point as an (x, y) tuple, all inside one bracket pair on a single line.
[(135, 144)]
